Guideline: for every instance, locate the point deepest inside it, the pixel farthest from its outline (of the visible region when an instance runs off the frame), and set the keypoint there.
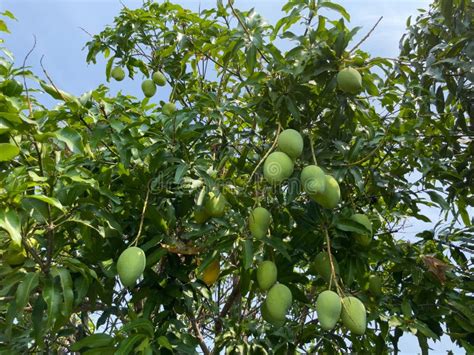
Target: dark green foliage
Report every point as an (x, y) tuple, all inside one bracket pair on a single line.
[(83, 181)]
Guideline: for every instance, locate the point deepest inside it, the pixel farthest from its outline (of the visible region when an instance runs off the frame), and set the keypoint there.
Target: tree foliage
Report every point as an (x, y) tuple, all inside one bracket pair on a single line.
[(84, 180)]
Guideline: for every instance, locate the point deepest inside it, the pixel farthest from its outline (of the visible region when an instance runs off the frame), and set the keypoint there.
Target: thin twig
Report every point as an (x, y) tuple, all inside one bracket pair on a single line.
[(366, 36), (275, 142), (198, 334), (30, 108), (142, 218)]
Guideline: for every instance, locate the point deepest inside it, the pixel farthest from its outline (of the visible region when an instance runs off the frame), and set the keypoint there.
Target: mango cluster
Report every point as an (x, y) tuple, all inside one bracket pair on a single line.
[(350, 310), (148, 86), (278, 299)]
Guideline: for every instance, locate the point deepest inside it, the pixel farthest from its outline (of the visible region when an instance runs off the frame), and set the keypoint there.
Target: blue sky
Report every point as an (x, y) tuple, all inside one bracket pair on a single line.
[(55, 23)]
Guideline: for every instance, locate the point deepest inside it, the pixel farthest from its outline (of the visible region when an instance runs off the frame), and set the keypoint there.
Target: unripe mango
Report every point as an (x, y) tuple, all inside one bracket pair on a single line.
[(169, 108), (266, 274), (331, 195), (259, 222), (117, 73), (130, 265), (148, 88), (267, 317), (363, 239), (158, 78), (349, 80), (278, 301), (328, 308), (354, 315), (322, 265), (277, 167), (211, 273), (375, 285), (290, 142), (14, 255), (215, 204), (200, 214), (313, 179)]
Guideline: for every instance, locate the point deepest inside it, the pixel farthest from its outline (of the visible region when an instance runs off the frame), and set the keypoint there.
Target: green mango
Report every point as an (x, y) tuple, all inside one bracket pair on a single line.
[(201, 215), (266, 274), (322, 265), (375, 285), (278, 301), (117, 73), (130, 265), (148, 88), (354, 315), (328, 308), (215, 204), (290, 142), (158, 78), (169, 108), (267, 317), (313, 179), (331, 195), (259, 222), (14, 255), (277, 167), (349, 80)]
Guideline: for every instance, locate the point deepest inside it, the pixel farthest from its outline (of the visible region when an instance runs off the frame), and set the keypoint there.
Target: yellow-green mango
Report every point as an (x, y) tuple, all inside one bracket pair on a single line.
[(130, 265), (14, 255), (267, 317), (158, 78), (277, 167), (331, 195), (169, 108), (313, 179), (290, 142), (354, 315), (259, 222), (278, 301), (322, 265), (349, 80), (266, 274), (117, 73), (201, 215), (328, 308), (215, 204), (148, 88)]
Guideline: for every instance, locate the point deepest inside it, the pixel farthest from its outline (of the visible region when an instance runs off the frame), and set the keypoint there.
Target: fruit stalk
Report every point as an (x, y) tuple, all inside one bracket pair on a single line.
[(331, 262), (142, 218)]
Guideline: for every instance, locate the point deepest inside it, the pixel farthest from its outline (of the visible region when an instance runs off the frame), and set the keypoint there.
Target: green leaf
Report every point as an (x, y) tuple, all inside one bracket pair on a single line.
[(141, 325), (66, 284), (126, 346), (248, 253), (11, 223), (336, 7), (52, 297), (72, 139), (93, 341), (165, 343), (24, 290), (49, 200), (8, 151), (180, 172), (349, 225)]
